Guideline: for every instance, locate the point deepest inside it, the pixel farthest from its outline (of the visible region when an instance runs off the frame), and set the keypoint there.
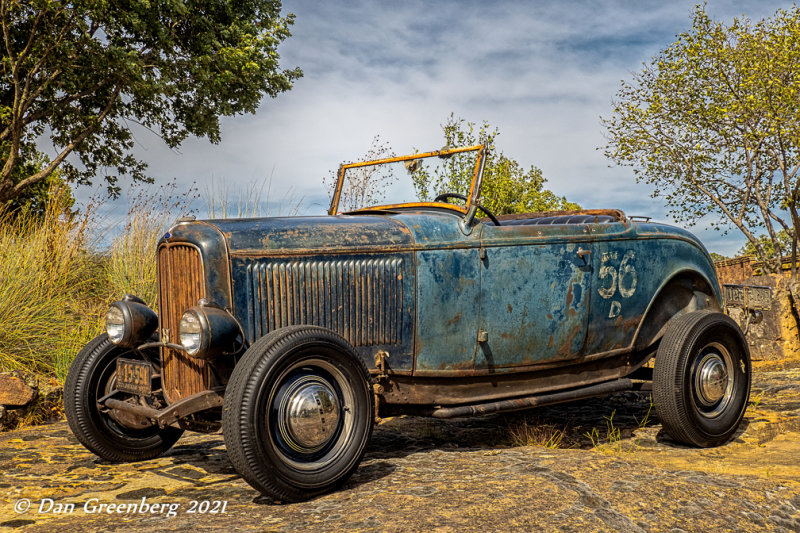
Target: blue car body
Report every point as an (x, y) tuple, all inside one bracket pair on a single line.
[(531, 295)]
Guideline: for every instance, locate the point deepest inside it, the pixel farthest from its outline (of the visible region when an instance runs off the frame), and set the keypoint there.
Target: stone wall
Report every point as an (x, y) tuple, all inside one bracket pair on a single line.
[(776, 337)]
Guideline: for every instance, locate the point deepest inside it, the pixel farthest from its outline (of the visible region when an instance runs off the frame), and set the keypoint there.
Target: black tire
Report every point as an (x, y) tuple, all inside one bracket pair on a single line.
[(701, 379), (89, 379), (263, 445)]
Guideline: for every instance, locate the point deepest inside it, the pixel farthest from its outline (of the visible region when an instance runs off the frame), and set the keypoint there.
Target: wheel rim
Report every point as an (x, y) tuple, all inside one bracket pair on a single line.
[(309, 415), (713, 380)]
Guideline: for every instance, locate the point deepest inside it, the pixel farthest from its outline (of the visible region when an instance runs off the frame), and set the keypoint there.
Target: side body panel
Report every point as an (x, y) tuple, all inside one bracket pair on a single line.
[(632, 266), (535, 293), (447, 292), (366, 298)]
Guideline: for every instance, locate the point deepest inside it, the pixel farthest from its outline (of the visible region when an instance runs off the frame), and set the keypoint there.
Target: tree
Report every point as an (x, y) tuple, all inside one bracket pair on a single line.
[(507, 187), (364, 186), (80, 72), (713, 122), (768, 248)]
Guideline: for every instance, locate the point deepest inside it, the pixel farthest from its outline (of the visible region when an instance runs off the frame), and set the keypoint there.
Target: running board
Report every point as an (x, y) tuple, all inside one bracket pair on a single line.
[(536, 401)]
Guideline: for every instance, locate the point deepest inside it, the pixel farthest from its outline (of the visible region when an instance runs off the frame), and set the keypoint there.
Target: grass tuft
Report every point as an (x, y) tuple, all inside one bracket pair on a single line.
[(527, 431)]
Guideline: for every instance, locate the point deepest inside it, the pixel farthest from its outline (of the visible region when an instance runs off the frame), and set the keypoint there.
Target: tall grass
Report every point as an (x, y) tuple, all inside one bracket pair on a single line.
[(254, 200), (56, 282), (55, 285), (130, 265), (46, 285)]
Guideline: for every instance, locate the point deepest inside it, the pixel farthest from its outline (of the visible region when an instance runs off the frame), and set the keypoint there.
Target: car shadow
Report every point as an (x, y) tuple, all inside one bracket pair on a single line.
[(578, 424), (581, 424)]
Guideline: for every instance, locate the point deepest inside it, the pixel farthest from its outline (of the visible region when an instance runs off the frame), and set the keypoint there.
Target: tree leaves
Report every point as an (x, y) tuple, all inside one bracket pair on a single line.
[(713, 124), (507, 187), (81, 71)]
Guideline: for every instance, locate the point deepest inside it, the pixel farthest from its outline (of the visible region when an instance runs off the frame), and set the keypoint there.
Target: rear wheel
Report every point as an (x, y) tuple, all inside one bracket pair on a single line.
[(112, 435), (701, 379), (298, 413)]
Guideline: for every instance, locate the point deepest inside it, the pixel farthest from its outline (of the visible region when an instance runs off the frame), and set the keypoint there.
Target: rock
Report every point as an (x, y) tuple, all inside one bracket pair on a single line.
[(14, 391)]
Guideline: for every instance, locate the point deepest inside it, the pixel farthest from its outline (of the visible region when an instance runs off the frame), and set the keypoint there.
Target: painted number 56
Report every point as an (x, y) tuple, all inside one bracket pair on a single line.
[(613, 278)]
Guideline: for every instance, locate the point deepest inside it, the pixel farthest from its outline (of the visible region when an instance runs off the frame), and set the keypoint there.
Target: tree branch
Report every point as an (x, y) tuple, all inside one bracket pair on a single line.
[(39, 176)]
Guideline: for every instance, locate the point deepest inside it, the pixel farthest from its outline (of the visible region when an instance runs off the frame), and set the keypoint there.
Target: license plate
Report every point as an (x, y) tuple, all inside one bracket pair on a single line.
[(133, 376), (747, 296)]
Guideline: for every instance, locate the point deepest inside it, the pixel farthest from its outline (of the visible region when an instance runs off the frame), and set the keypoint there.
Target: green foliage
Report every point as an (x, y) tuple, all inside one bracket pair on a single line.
[(713, 123), (80, 72), (717, 257), (784, 239), (34, 198), (507, 187)]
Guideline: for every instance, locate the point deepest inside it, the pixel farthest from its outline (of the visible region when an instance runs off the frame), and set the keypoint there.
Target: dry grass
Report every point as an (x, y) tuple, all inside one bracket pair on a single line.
[(254, 200), (531, 431), (130, 265), (46, 275), (55, 286), (56, 283)]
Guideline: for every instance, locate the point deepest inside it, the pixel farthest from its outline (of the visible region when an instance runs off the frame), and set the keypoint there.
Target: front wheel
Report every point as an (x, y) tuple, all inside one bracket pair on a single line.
[(701, 379), (112, 435), (298, 413)]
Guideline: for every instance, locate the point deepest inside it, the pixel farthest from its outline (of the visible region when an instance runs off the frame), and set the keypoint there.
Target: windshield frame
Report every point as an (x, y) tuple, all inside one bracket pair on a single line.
[(468, 210)]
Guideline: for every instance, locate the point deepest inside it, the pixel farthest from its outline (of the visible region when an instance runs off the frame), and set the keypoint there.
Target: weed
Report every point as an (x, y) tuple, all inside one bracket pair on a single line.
[(643, 423), (534, 432), (613, 435), (252, 201)]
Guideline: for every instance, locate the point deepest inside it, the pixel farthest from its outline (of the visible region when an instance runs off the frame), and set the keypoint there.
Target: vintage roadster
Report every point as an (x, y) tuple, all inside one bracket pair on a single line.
[(294, 334)]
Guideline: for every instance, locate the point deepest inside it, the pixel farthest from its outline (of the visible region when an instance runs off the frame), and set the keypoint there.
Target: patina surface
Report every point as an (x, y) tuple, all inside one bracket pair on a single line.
[(457, 475)]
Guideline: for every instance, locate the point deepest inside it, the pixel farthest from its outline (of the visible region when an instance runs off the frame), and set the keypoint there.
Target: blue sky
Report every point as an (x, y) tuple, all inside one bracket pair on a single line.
[(542, 72)]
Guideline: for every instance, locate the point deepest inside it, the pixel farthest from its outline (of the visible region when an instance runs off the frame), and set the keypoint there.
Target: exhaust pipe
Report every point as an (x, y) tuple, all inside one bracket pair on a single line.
[(539, 400)]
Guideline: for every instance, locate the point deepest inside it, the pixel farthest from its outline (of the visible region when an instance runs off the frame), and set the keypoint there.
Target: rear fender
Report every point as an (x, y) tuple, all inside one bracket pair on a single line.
[(685, 292)]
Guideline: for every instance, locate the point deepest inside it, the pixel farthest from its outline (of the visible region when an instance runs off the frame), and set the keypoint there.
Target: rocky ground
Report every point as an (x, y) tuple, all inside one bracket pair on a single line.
[(614, 471)]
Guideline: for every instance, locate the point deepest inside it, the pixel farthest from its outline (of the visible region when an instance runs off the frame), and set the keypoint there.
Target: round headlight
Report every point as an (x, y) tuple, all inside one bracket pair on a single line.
[(115, 324), (191, 332)]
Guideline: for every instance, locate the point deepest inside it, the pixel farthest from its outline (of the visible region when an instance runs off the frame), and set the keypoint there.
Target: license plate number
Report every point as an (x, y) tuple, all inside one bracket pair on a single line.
[(133, 376), (747, 296)]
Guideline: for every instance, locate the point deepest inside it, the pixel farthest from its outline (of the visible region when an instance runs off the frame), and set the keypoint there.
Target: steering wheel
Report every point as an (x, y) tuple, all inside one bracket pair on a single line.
[(445, 195)]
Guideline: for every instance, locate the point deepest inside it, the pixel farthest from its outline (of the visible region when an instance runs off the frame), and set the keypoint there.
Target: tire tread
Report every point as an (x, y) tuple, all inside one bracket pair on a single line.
[(238, 431)]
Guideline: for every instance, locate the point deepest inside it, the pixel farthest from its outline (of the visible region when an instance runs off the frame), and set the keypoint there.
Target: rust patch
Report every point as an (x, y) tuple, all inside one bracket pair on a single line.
[(454, 320)]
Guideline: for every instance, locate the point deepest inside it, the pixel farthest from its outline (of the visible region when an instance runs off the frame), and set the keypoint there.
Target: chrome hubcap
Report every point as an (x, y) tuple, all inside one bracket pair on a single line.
[(713, 382), (713, 379), (309, 414)]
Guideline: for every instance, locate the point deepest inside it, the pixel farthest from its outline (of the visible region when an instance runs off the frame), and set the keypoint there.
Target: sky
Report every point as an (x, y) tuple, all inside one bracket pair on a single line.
[(542, 72)]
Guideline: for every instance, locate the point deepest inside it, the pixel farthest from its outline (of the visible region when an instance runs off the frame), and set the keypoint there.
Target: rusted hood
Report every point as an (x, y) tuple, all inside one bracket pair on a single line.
[(304, 234)]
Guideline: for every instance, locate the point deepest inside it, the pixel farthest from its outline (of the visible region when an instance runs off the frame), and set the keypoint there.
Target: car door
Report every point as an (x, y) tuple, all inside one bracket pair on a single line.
[(448, 280), (535, 292)]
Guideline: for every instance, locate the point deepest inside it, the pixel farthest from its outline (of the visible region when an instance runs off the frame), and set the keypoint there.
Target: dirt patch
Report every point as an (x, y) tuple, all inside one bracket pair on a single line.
[(457, 475)]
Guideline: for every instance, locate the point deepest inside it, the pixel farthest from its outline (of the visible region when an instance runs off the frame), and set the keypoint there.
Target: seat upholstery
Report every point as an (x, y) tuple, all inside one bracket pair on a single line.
[(561, 219)]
